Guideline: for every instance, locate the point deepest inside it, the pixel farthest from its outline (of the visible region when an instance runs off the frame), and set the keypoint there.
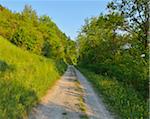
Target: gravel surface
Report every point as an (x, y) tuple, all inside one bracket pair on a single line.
[(72, 97)]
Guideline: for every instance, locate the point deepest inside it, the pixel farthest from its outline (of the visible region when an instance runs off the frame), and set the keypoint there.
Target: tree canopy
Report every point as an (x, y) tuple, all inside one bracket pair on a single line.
[(38, 34)]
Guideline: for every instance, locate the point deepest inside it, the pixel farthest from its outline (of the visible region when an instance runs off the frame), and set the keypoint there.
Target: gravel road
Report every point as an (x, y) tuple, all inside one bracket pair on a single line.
[(72, 97)]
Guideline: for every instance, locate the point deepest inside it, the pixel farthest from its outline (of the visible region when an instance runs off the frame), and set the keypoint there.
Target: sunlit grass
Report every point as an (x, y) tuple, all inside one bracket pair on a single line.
[(24, 79), (120, 98)]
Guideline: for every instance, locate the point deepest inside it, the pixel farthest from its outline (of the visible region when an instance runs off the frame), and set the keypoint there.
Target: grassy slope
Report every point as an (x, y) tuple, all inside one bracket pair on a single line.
[(123, 99), (24, 79)]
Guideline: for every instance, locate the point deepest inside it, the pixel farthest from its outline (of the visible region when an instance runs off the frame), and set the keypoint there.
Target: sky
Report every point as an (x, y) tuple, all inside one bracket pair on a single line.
[(69, 15)]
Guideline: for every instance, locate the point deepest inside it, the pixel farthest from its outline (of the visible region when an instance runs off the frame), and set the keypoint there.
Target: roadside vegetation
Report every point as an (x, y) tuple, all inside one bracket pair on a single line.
[(120, 98), (24, 79), (113, 48), (32, 58)]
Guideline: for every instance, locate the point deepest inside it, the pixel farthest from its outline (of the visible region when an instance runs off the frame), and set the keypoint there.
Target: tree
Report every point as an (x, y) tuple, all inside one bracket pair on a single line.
[(23, 39), (71, 52), (29, 15), (137, 15), (38, 34)]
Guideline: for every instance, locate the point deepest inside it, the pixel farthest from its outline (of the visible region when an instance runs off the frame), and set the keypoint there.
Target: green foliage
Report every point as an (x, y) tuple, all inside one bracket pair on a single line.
[(29, 15), (103, 50), (132, 73), (23, 39), (61, 66), (115, 45), (122, 98), (24, 79), (71, 52), (38, 34), (136, 13), (47, 49)]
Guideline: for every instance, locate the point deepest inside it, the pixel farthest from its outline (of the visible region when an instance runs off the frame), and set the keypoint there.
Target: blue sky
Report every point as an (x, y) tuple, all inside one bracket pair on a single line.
[(69, 15)]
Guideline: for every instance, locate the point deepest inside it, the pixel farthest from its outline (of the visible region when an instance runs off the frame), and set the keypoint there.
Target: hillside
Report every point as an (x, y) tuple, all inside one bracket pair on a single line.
[(37, 34), (24, 78)]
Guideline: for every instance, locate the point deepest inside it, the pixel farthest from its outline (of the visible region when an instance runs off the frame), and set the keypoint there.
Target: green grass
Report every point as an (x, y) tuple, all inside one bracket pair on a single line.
[(24, 79), (122, 99)]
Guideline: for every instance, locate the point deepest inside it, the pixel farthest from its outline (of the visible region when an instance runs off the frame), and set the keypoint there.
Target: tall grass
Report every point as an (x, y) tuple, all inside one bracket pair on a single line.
[(24, 79), (119, 97), (135, 75)]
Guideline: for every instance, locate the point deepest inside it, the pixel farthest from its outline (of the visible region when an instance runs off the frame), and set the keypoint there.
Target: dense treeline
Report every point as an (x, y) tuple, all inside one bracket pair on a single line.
[(115, 45), (38, 34)]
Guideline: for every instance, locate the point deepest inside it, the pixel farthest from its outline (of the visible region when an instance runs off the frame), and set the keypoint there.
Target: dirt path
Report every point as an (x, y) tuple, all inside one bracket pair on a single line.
[(71, 98)]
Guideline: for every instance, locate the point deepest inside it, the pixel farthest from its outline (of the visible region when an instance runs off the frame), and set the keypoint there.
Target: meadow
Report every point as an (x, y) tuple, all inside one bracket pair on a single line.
[(24, 79)]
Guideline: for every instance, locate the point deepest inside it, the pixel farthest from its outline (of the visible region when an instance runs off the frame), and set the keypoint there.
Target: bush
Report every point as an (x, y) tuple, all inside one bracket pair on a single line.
[(24, 39)]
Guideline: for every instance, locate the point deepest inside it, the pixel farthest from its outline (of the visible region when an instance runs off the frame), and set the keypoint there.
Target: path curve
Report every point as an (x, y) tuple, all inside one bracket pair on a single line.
[(71, 98)]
